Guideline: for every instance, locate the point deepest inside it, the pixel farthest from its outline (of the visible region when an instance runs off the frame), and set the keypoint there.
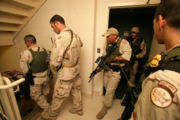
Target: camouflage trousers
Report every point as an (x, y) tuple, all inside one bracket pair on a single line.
[(63, 89), (111, 81), (133, 71), (39, 91)]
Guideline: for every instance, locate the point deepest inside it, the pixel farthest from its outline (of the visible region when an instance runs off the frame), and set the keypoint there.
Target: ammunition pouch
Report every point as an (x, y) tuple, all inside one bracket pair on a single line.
[(29, 78)]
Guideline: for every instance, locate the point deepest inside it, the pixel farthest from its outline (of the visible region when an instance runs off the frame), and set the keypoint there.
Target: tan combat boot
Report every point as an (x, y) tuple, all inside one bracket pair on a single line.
[(75, 111), (45, 116), (102, 113)]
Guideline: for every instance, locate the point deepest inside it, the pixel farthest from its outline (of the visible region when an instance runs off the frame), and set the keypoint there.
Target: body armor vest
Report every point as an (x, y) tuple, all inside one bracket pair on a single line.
[(114, 53), (39, 62), (136, 45)]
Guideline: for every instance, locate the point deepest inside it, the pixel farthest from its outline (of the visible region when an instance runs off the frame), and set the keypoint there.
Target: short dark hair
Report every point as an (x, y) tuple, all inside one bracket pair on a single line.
[(57, 18), (30, 38), (170, 10)]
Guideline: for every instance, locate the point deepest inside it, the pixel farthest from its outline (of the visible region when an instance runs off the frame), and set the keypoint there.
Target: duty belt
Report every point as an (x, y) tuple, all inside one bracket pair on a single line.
[(69, 65), (115, 68)]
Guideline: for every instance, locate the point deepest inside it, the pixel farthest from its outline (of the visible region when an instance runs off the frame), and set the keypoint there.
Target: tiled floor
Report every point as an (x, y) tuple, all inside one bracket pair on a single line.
[(91, 108)]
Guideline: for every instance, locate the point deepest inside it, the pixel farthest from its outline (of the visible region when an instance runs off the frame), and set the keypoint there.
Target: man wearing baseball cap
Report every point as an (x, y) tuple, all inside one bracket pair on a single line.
[(120, 54)]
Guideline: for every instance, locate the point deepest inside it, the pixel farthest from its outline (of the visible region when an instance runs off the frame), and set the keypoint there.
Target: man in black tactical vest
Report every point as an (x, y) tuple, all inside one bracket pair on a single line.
[(112, 74), (135, 67), (160, 96), (35, 60), (138, 46)]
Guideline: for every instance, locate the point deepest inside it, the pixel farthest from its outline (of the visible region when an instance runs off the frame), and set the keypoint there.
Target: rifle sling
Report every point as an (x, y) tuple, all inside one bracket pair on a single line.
[(66, 49)]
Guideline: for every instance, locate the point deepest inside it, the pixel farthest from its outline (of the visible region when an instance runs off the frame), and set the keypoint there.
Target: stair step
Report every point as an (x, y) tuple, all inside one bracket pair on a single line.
[(8, 27)]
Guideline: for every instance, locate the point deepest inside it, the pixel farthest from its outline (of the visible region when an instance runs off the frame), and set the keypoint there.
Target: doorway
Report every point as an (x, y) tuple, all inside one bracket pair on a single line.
[(124, 19)]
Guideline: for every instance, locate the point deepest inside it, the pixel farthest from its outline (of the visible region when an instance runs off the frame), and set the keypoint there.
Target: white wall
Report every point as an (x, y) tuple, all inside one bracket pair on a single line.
[(87, 18)]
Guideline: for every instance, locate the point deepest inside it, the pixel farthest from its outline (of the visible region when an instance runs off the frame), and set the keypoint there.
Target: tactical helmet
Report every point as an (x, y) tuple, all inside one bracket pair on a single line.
[(135, 30)]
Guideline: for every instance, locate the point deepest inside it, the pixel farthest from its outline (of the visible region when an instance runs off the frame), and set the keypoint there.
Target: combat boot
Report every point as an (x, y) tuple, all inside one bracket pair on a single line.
[(102, 112), (45, 116), (76, 111)]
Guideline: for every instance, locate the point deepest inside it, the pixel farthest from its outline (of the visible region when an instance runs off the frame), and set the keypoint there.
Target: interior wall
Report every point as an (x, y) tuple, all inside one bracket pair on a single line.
[(155, 49), (78, 15)]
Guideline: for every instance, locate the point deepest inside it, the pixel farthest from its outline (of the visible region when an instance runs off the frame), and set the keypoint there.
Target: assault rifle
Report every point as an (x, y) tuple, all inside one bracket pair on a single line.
[(130, 99), (101, 61)]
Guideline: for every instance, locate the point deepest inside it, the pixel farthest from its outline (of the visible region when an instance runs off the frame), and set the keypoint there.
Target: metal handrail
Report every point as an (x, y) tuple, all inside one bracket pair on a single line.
[(7, 93), (11, 84)]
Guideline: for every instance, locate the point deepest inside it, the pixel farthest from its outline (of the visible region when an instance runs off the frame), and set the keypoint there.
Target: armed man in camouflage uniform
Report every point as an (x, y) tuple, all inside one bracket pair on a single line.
[(138, 46), (35, 58), (160, 96), (112, 74), (64, 63)]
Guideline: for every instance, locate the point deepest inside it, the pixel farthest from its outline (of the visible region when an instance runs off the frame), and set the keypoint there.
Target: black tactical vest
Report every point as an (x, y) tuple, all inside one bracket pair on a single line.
[(39, 61), (114, 53), (136, 49)]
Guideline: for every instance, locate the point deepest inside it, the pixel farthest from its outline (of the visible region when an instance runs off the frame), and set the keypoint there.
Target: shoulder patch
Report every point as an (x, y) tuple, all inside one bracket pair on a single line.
[(168, 85), (162, 95)]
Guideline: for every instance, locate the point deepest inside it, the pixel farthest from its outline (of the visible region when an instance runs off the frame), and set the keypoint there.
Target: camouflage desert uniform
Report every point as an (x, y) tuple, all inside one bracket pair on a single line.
[(68, 76), (40, 89), (156, 102), (160, 95), (112, 78)]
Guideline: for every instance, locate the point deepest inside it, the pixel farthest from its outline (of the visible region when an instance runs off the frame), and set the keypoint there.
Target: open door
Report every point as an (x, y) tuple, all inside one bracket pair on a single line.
[(124, 19)]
